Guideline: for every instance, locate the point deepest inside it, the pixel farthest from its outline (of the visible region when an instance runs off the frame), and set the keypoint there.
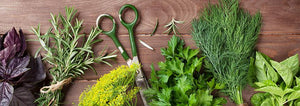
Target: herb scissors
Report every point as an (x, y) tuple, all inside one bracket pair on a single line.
[(140, 80)]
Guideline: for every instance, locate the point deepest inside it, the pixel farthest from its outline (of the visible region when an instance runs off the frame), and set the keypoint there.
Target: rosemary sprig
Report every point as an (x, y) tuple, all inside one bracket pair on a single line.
[(68, 57), (172, 27), (227, 35)]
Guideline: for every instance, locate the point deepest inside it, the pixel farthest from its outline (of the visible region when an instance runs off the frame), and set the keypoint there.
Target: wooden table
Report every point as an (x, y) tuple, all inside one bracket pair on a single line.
[(279, 37)]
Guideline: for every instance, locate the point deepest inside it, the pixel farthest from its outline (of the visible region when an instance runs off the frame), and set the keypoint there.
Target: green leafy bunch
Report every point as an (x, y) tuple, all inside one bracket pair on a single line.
[(279, 81), (67, 55), (227, 35), (175, 84)]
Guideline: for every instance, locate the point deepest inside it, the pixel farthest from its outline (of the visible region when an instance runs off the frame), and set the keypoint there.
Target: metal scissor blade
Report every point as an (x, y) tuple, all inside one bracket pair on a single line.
[(140, 80)]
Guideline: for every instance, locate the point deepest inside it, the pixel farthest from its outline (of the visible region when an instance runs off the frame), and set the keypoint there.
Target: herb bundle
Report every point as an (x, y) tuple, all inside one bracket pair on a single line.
[(227, 35), (67, 56), (113, 89), (175, 83), (19, 74), (279, 81)]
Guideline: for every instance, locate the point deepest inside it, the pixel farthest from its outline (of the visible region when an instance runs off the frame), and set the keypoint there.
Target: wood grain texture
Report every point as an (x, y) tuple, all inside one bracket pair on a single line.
[(279, 39), (279, 16)]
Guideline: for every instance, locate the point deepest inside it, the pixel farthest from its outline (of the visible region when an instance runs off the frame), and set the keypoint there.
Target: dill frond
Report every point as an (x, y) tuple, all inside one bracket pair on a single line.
[(226, 35)]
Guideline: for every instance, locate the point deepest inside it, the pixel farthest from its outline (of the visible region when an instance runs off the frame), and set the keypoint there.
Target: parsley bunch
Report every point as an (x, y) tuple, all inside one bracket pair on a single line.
[(179, 82)]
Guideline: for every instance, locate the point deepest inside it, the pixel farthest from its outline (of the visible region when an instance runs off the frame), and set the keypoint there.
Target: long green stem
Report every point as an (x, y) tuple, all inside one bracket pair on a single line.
[(239, 96)]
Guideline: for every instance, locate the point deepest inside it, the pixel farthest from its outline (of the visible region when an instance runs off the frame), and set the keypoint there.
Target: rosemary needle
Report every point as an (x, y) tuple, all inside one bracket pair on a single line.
[(155, 28), (146, 45)]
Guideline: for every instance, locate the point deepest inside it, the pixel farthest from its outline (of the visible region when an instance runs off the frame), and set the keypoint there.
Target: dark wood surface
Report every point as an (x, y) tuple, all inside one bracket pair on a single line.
[(279, 38)]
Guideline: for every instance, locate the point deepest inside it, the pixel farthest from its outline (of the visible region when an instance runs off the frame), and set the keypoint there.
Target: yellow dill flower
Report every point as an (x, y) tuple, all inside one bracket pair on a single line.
[(112, 89)]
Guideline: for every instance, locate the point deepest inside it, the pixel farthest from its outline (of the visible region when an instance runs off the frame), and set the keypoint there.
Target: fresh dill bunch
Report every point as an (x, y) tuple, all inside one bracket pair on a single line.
[(67, 55), (226, 35), (113, 89)]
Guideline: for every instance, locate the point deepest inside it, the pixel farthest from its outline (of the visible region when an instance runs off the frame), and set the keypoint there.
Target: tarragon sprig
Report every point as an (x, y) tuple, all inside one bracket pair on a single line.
[(68, 52)]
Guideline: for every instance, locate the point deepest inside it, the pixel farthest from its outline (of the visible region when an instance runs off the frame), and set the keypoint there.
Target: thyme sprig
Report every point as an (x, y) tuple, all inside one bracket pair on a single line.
[(68, 56)]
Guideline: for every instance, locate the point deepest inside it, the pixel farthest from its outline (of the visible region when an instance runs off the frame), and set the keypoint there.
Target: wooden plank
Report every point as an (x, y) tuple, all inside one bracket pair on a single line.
[(279, 16), (278, 47), (73, 91)]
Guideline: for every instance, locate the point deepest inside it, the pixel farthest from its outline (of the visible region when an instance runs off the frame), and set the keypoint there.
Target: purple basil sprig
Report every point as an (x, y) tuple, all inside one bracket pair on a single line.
[(17, 71)]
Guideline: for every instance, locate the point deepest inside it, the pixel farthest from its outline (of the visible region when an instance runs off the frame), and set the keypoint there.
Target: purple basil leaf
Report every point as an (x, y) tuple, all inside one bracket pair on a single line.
[(2, 72), (2, 40), (11, 39), (6, 93), (23, 43), (17, 66), (7, 53), (36, 73), (22, 97)]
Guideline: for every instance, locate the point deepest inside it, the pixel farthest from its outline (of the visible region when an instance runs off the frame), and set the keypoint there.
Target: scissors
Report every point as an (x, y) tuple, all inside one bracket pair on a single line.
[(140, 79)]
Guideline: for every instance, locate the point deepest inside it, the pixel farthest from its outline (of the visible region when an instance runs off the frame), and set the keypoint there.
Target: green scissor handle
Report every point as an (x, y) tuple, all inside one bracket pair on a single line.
[(130, 26), (112, 34)]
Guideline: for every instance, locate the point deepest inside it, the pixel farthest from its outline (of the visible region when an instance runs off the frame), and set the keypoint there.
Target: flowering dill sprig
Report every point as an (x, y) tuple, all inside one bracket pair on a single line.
[(112, 88)]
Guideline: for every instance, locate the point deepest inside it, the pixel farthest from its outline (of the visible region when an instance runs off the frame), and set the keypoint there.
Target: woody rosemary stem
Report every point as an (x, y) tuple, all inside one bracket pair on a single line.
[(53, 93), (50, 98)]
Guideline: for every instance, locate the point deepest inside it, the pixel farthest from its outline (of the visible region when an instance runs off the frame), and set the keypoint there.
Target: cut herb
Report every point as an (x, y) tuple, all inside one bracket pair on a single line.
[(278, 80), (113, 89), (146, 45), (175, 83), (155, 28), (172, 27), (68, 57), (19, 74), (227, 35)]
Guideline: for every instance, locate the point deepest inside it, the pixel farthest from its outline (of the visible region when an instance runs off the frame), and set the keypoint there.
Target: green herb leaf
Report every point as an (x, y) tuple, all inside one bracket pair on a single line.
[(294, 95), (297, 81), (204, 98), (292, 63), (211, 83), (219, 101), (264, 70), (258, 98), (285, 73), (275, 90), (265, 83), (183, 84)]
